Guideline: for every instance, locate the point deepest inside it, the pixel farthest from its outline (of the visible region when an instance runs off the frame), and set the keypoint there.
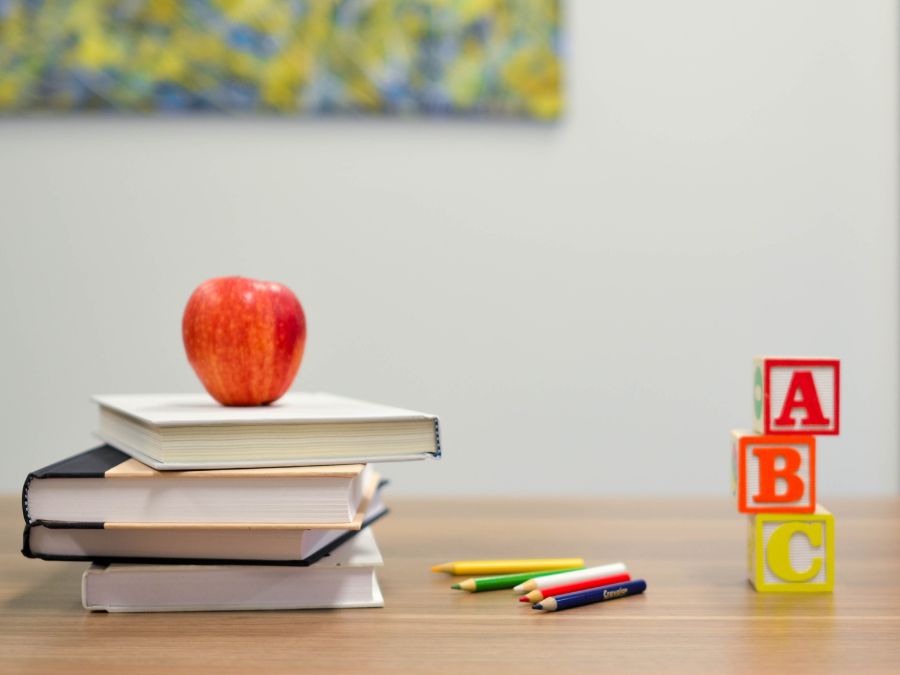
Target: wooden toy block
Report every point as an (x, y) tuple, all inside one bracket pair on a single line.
[(789, 553), (796, 395), (775, 474)]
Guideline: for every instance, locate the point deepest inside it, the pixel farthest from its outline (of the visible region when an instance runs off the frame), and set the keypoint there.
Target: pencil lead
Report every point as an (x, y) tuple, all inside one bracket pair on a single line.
[(537, 606), (457, 587)]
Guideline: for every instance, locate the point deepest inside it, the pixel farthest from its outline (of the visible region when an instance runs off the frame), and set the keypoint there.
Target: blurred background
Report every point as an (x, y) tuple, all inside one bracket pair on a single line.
[(565, 227)]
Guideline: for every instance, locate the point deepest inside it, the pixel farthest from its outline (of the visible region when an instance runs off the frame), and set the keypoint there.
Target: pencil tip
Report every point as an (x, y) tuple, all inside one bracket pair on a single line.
[(440, 568), (456, 586), (537, 606), (523, 598)]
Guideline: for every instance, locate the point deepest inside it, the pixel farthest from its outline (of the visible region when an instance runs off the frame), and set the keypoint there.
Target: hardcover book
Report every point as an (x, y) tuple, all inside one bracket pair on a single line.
[(344, 579), (211, 545), (192, 431), (104, 485)]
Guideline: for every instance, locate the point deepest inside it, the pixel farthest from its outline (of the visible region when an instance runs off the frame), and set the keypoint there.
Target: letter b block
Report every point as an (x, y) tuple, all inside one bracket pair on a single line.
[(775, 474), (796, 396), (791, 553)]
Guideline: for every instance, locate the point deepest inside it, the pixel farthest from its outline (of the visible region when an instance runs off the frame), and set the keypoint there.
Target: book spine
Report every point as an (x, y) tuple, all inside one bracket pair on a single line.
[(25, 489), (437, 439), (57, 525), (26, 541)]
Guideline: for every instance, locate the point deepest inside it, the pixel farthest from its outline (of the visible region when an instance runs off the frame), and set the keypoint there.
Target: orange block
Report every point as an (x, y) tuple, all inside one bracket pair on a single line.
[(775, 474)]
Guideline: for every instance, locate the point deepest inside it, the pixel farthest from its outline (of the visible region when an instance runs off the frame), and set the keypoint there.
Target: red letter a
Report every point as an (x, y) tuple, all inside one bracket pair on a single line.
[(802, 394), (769, 475)]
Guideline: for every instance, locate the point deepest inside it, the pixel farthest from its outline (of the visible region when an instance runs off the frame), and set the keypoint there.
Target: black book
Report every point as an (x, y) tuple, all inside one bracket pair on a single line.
[(105, 478)]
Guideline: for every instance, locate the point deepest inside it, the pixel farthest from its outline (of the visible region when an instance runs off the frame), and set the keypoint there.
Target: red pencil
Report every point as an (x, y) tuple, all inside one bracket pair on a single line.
[(540, 594)]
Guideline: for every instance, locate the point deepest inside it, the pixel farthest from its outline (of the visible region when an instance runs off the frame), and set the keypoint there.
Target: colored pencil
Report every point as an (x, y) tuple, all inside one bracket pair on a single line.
[(502, 582), (571, 577), (538, 595), (592, 595), (473, 567)]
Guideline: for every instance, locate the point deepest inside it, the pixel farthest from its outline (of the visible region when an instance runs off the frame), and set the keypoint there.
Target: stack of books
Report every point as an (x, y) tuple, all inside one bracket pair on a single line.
[(194, 506)]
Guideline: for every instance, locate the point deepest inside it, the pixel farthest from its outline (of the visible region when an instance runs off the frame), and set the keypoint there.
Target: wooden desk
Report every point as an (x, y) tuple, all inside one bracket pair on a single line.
[(698, 612)]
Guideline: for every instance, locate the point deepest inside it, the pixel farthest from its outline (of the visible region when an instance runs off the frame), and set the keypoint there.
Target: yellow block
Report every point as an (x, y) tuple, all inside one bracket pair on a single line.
[(791, 552)]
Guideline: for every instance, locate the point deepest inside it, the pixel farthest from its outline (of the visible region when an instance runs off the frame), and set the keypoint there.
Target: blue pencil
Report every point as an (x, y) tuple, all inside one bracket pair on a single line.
[(592, 595)]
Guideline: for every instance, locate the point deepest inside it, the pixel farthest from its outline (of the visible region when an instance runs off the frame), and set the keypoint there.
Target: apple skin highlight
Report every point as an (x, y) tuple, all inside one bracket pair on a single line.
[(244, 338)]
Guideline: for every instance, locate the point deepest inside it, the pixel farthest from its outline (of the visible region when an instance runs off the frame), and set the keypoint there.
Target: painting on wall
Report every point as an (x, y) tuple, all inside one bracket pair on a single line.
[(431, 57)]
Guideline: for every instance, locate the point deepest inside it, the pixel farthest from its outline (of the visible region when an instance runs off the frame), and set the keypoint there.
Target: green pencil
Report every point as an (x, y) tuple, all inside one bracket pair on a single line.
[(503, 581)]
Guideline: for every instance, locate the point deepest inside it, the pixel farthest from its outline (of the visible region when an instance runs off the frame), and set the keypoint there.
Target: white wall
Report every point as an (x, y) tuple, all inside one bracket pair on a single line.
[(725, 184)]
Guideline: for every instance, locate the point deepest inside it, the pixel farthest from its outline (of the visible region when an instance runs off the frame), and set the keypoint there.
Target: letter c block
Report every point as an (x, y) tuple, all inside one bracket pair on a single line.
[(792, 553)]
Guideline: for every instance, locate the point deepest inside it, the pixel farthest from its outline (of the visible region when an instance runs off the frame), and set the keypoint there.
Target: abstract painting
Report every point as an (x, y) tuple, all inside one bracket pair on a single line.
[(437, 57)]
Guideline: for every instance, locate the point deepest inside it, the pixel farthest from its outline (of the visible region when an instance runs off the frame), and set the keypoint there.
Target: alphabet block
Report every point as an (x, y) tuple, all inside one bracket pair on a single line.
[(796, 395), (776, 474), (791, 553)]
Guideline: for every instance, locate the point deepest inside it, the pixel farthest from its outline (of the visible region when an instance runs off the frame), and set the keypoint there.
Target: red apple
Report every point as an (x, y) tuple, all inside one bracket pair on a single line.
[(244, 339)]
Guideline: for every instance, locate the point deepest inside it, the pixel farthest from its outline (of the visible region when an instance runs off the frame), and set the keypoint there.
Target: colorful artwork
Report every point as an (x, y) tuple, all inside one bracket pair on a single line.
[(282, 56)]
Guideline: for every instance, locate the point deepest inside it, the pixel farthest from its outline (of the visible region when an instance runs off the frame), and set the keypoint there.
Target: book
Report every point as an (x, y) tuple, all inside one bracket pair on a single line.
[(104, 485), (344, 579), (193, 431), (211, 545)]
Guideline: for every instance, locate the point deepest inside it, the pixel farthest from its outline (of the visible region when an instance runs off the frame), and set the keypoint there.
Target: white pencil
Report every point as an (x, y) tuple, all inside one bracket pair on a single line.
[(571, 577)]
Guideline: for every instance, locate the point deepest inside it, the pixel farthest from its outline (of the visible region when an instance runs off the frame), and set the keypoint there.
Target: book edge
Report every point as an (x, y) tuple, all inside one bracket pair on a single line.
[(406, 416)]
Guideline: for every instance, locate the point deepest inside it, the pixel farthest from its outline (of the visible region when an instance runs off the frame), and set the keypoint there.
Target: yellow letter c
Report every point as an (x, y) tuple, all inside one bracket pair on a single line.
[(778, 551)]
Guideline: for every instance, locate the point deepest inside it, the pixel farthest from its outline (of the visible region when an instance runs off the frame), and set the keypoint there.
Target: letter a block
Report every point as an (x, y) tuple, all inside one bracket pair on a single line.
[(791, 553), (796, 396), (775, 474)]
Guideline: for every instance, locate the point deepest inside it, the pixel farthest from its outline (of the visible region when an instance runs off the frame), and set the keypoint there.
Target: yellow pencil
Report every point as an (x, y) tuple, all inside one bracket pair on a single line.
[(474, 567)]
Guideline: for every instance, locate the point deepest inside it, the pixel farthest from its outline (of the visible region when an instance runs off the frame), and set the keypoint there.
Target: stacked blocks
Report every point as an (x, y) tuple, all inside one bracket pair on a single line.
[(790, 546)]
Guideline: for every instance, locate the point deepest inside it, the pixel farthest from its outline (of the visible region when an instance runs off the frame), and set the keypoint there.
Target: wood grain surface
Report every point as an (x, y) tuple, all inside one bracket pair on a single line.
[(698, 614)]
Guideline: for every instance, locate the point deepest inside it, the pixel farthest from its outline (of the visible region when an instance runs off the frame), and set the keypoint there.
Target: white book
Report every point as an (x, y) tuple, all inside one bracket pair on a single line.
[(344, 579), (193, 431), (106, 486)]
